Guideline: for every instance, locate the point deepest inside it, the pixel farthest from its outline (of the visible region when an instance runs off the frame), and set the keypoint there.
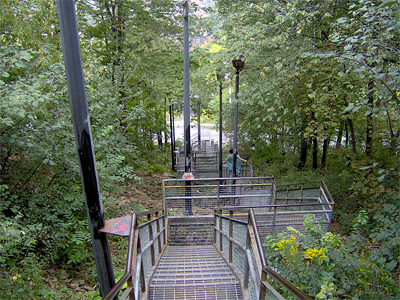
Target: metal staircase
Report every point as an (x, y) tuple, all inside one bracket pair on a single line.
[(206, 242)]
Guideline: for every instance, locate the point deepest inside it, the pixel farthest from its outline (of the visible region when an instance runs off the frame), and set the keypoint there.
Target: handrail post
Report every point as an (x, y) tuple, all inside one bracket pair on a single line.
[(263, 288), (142, 278), (131, 260), (153, 261), (215, 227), (230, 236), (246, 265), (221, 247), (218, 191), (274, 220), (158, 231)]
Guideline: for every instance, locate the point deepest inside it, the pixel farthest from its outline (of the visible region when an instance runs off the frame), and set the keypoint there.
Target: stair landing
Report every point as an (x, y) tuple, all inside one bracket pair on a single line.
[(195, 273)]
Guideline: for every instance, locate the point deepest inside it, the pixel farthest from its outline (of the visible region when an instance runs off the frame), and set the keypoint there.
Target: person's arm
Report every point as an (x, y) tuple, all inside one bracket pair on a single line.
[(242, 159)]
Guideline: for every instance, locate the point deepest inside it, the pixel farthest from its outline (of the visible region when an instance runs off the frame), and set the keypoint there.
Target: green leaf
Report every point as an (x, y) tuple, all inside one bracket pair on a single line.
[(350, 108), (397, 14), (381, 261), (14, 233), (5, 74), (381, 178), (376, 110), (348, 47), (21, 113), (391, 265), (366, 168), (20, 64)]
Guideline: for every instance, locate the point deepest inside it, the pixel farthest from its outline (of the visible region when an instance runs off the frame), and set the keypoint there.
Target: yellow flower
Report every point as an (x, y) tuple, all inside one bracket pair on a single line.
[(15, 277), (314, 254), (288, 247)]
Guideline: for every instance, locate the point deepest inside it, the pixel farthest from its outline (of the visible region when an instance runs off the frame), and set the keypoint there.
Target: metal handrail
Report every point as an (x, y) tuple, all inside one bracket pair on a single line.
[(286, 284), (264, 271), (216, 179), (134, 263), (131, 260)]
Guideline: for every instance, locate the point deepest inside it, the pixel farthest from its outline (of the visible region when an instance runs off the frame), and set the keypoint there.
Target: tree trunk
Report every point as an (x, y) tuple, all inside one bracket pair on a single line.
[(166, 122), (159, 139), (370, 125), (325, 152), (339, 136), (303, 153), (353, 136), (315, 154)]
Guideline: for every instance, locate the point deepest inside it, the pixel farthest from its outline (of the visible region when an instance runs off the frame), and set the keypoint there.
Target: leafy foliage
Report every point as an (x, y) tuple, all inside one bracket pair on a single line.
[(326, 267)]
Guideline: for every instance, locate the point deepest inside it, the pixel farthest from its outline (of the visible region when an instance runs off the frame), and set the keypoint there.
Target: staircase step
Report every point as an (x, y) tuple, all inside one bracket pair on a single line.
[(193, 272)]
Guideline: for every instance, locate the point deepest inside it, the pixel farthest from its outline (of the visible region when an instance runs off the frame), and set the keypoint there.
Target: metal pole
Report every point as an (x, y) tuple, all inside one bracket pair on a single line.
[(198, 126), (171, 122), (186, 88), (220, 129), (186, 84), (235, 126), (83, 139)]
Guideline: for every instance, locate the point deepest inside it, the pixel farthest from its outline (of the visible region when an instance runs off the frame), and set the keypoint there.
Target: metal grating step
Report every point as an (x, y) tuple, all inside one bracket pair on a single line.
[(193, 272)]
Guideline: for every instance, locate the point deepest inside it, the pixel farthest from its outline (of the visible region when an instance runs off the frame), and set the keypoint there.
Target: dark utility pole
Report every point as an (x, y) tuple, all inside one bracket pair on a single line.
[(198, 125), (83, 139), (186, 87), (186, 112), (172, 128), (238, 64), (219, 78)]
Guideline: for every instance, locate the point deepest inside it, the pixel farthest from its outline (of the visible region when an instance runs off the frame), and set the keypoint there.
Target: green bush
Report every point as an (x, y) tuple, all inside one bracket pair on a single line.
[(326, 266)]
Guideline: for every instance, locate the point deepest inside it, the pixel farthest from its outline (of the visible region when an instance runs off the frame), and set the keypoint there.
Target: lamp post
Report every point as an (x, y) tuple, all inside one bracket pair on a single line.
[(186, 84), (172, 126), (186, 98), (198, 124), (219, 78), (238, 64)]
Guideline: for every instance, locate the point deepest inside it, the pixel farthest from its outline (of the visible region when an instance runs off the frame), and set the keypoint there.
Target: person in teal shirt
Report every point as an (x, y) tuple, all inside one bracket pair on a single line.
[(229, 159)]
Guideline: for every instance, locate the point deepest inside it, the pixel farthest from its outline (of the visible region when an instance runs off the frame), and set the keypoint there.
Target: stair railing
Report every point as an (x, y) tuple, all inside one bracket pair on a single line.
[(254, 268), (135, 269), (265, 270)]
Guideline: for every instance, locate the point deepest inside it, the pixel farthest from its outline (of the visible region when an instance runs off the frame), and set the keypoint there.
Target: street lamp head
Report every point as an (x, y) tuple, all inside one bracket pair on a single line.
[(238, 64)]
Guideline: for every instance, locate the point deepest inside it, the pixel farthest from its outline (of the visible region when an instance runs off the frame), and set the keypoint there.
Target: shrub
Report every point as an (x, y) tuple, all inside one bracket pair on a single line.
[(325, 267)]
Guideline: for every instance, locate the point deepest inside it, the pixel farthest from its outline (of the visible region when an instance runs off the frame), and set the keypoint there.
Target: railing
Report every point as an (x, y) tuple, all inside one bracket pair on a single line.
[(146, 242), (240, 243), (201, 196), (306, 198)]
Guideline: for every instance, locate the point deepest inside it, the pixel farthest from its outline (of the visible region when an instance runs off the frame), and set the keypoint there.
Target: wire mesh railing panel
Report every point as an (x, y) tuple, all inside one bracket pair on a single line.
[(252, 287), (144, 240), (161, 222), (239, 232), (190, 234), (206, 173), (201, 196), (274, 223), (154, 229), (239, 258), (190, 231)]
